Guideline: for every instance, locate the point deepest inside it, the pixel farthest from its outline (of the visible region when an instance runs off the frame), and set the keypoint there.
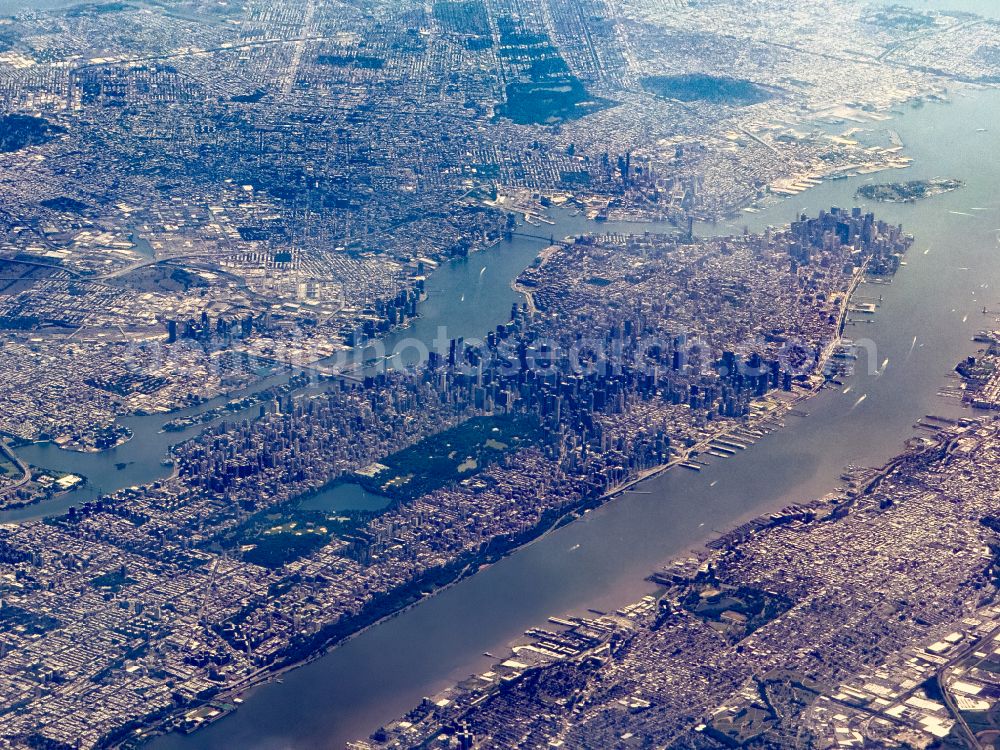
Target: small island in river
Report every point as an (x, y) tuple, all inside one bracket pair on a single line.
[(908, 192)]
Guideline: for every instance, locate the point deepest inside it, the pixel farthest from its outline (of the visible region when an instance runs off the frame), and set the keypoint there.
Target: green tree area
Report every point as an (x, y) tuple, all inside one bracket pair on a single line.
[(276, 536), (20, 131), (698, 87), (451, 456), (545, 92)]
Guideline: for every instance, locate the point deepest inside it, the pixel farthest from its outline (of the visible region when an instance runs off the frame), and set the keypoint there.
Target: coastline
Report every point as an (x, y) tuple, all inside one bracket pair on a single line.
[(646, 475), (7, 505), (25, 477), (254, 390)]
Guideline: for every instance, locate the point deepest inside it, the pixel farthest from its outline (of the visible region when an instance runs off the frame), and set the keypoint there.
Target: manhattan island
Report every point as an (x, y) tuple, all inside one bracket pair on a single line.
[(189, 590)]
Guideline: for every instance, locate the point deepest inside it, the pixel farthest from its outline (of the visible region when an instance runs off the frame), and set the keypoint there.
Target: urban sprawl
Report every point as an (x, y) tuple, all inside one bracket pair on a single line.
[(198, 197)]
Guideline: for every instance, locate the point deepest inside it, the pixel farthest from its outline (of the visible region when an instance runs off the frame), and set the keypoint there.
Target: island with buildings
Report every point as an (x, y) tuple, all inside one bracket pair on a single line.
[(642, 353), (907, 192)]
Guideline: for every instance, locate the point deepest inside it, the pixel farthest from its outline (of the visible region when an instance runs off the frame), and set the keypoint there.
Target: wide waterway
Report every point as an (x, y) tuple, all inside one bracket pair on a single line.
[(924, 326)]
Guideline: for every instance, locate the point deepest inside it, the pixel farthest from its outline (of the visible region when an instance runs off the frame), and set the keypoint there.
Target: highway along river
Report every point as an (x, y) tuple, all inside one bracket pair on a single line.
[(923, 327)]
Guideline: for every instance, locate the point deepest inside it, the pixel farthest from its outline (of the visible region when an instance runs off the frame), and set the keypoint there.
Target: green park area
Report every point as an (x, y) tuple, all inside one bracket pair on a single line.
[(450, 456), (698, 87), (545, 91), (735, 612), (19, 131), (114, 581), (276, 536)]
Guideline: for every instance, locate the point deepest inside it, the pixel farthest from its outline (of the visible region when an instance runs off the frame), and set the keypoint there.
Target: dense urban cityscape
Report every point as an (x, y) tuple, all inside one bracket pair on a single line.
[(244, 421)]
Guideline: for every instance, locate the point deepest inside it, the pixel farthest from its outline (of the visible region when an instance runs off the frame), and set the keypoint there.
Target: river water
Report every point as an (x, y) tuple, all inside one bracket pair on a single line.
[(924, 327)]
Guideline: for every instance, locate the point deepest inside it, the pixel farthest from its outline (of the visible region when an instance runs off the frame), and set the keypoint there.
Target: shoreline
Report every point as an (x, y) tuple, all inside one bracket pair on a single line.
[(254, 387), (25, 470)]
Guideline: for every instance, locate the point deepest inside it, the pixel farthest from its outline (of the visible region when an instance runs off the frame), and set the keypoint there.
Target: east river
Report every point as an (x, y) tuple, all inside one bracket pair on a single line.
[(923, 328)]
